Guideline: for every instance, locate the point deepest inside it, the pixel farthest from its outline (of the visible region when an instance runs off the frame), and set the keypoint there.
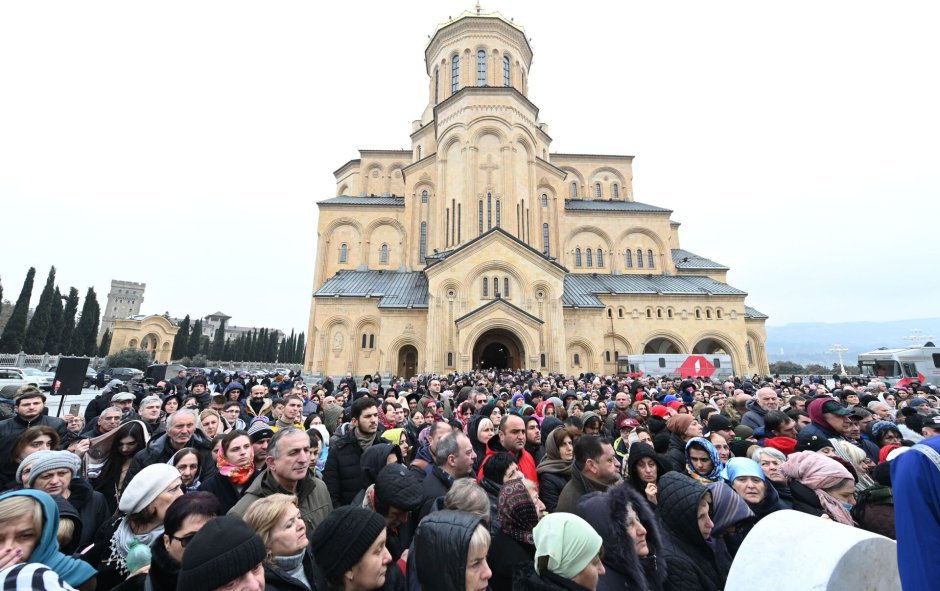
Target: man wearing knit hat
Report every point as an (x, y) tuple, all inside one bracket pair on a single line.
[(260, 434), (682, 428), (397, 494), (224, 554)]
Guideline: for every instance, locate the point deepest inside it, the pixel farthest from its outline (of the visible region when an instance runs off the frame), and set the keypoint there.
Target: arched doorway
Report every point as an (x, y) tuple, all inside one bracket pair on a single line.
[(407, 361), (712, 346), (498, 348), (661, 345)]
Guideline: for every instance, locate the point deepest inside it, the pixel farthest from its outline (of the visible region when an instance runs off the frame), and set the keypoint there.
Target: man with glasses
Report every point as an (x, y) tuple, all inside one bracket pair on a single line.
[(108, 420)]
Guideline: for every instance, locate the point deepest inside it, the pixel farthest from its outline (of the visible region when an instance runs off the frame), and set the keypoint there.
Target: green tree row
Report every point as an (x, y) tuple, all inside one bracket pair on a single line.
[(56, 326), (258, 345), (794, 369)]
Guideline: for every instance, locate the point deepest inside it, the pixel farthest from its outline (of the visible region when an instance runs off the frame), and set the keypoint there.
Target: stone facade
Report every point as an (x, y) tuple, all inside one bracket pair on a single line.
[(480, 244), (124, 301), (154, 334)]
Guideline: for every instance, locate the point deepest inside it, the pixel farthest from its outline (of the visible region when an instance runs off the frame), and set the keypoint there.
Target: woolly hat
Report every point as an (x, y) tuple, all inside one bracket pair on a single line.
[(679, 424), (342, 539), (259, 430), (719, 422), (399, 487), (146, 486), (223, 550), (883, 454), (52, 460), (27, 461), (660, 411), (743, 432), (786, 445)]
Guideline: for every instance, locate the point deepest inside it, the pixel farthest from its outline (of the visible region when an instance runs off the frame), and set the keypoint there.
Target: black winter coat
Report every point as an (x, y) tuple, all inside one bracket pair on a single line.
[(158, 451), (276, 579), (10, 431), (92, 508), (805, 499), (224, 490), (434, 486), (607, 514), (524, 578), (343, 471), (676, 453), (690, 560), (550, 487), (504, 555)]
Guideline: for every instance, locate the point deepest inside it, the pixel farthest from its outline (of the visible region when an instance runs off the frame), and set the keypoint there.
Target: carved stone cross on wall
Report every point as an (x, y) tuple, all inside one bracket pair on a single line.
[(489, 166)]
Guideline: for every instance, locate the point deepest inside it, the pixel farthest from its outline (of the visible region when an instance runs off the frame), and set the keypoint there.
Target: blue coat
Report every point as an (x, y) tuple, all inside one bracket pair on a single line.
[(916, 482)]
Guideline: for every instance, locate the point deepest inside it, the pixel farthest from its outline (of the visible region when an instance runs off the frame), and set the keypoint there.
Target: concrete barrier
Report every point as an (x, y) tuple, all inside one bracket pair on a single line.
[(789, 550)]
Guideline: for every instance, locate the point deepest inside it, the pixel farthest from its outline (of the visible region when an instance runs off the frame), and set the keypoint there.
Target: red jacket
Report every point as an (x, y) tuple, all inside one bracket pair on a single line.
[(524, 459)]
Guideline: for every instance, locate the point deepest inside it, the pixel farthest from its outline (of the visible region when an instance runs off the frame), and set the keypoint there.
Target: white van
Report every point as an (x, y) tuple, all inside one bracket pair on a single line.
[(899, 367), (713, 365)]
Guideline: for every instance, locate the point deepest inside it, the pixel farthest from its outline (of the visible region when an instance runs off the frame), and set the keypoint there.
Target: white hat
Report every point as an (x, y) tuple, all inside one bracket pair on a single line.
[(122, 396), (146, 486)]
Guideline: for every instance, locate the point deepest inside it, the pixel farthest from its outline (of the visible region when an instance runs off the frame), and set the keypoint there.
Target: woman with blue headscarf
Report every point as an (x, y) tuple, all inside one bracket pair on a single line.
[(747, 479), (702, 461), (33, 517)]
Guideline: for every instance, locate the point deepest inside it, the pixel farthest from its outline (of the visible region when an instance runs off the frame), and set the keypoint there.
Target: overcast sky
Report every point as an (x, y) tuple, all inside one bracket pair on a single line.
[(184, 144)]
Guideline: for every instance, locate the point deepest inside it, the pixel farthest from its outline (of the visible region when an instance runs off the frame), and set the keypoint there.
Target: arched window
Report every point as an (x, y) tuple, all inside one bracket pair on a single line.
[(424, 196), (481, 216), (499, 214), (750, 354), (542, 359), (450, 359), (629, 259), (718, 313), (577, 257), (364, 336), (698, 313), (372, 341), (343, 253), (383, 254), (505, 70), (544, 200), (545, 250), (659, 312), (437, 85), (610, 313), (505, 287), (708, 314), (649, 312), (576, 359), (639, 258), (607, 356), (423, 245), (649, 259), (620, 312), (590, 258), (481, 68), (485, 287), (419, 152), (615, 191), (669, 313), (489, 211), (495, 287), (597, 190), (600, 258), (454, 73), (574, 190)]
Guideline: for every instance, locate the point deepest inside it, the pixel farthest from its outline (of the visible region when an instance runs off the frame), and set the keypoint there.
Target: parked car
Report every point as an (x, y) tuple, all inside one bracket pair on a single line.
[(41, 379), (11, 378), (125, 374)]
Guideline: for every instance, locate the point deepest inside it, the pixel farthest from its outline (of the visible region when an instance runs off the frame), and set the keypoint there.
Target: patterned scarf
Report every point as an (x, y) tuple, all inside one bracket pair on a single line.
[(518, 515), (238, 475), (717, 466)]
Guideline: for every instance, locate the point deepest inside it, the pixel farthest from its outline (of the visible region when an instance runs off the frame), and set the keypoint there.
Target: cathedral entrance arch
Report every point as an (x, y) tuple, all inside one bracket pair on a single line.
[(498, 348), (407, 361), (662, 345)]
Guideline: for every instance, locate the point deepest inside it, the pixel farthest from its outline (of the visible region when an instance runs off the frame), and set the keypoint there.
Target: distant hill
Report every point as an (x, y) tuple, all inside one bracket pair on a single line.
[(807, 342)]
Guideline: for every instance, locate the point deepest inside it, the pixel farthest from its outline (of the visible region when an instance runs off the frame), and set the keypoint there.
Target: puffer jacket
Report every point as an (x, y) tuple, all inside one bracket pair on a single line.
[(676, 453), (158, 451), (343, 471), (754, 417), (690, 561), (550, 487), (607, 514), (374, 459), (441, 546), (313, 499)]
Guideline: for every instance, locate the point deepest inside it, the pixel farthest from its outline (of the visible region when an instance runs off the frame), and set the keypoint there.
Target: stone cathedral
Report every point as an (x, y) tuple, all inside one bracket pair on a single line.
[(480, 247)]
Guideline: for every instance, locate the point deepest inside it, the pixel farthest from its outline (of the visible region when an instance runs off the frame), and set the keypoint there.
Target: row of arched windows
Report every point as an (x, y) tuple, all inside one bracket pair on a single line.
[(368, 341), (485, 291), (481, 72), (629, 259), (489, 213), (598, 192), (668, 313), (588, 257)]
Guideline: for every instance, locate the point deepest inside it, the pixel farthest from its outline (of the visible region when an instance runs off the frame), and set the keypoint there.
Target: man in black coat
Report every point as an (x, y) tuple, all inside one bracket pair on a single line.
[(343, 472), (29, 403), (453, 459), (181, 432)]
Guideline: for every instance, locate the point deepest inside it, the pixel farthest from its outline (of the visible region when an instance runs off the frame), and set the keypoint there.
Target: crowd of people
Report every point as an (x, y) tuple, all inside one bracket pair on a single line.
[(495, 480)]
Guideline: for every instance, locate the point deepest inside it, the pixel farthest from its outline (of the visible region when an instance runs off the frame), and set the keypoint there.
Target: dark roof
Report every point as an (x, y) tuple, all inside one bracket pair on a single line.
[(395, 289), (439, 256), (493, 303), (750, 312), (392, 201), (689, 260), (218, 315), (612, 205), (582, 289)]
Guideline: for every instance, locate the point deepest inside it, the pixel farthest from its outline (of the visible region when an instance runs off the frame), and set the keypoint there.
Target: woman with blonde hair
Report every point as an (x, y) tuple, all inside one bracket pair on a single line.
[(289, 564), (860, 461), (210, 421)]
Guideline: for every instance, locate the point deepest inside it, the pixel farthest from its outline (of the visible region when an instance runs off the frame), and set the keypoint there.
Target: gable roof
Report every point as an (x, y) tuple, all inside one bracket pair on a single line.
[(612, 205), (750, 312), (384, 201), (395, 289), (439, 256), (495, 302), (582, 289), (684, 259)]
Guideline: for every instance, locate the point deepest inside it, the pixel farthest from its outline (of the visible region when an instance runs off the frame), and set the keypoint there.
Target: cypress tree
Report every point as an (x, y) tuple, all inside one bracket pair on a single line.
[(249, 343), (180, 345), (35, 339), (195, 339), (105, 344), (301, 348), (218, 343), (56, 321), (12, 339), (68, 321), (85, 340)]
